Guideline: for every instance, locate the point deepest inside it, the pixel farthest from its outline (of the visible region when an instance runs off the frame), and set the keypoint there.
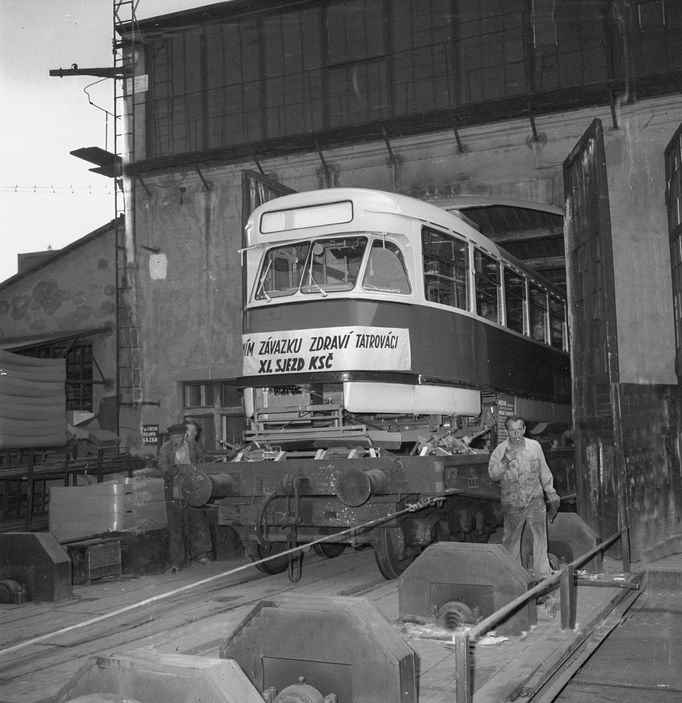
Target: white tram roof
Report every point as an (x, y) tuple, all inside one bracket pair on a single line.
[(370, 200)]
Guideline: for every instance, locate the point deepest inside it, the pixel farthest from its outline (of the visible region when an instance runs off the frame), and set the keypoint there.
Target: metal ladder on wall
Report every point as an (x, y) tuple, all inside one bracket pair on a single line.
[(129, 371)]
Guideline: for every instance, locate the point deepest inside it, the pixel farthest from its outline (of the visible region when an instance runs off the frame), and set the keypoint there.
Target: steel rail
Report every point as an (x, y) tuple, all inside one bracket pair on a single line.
[(464, 638)]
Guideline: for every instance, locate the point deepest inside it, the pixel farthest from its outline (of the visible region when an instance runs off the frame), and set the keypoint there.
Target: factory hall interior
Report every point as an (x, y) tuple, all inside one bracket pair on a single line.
[(381, 348)]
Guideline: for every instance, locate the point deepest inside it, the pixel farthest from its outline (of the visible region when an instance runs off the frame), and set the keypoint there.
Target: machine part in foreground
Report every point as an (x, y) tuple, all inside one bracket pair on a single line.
[(569, 536), (37, 562), (149, 677), (451, 582), (12, 592), (285, 648)]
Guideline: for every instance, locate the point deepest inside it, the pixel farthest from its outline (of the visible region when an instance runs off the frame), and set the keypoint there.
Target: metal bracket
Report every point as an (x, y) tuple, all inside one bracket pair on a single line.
[(258, 166), (207, 185), (391, 156), (612, 103), (144, 185), (460, 146), (327, 171), (531, 117)]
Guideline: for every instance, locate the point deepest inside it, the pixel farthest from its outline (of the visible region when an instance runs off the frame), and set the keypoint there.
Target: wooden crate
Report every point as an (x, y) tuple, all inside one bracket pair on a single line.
[(94, 559)]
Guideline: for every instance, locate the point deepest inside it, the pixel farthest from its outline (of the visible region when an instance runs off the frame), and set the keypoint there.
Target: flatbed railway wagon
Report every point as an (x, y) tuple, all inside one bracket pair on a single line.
[(385, 341)]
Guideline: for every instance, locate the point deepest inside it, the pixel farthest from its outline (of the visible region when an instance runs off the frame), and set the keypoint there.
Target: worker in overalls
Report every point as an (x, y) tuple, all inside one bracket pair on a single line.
[(189, 534), (519, 464)]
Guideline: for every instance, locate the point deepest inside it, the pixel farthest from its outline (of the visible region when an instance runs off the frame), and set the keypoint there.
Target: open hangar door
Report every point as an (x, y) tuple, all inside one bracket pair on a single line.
[(626, 416)]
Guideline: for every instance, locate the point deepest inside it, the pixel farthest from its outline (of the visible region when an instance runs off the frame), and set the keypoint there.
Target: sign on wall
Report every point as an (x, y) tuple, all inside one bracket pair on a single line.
[(150, 434), (326, 349)]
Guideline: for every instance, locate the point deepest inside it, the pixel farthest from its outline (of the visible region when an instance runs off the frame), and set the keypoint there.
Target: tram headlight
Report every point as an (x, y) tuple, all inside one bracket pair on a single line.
[(355, 486)]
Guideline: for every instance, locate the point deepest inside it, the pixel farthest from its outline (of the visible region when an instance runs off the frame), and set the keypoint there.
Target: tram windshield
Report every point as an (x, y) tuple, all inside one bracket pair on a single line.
[(331, 265)]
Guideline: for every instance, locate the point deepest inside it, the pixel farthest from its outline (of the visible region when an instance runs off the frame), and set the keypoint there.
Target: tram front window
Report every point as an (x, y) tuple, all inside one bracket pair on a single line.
[(333, 264), (315, 266), (282, 271)]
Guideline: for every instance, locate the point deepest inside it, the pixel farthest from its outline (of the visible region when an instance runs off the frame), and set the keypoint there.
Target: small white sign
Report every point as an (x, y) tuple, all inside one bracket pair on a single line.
[(137, 84)]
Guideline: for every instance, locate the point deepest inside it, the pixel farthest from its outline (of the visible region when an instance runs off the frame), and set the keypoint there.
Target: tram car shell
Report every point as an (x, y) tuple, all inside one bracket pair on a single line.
[(384, 305), (380, 334)]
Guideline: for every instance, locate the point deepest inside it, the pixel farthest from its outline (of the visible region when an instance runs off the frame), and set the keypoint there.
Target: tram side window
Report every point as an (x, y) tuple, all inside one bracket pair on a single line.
[(538, 313), (487, 282), (386, 269), (514, 300), (557, 323), (446, 269)]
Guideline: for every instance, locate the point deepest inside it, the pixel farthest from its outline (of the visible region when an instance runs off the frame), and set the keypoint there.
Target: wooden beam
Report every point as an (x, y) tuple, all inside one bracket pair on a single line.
[(548, 262), (526, 235)]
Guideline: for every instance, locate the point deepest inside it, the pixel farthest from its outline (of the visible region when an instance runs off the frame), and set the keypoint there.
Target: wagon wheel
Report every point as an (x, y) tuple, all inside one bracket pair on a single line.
[(330, 550), (274, 566), (391, 553)]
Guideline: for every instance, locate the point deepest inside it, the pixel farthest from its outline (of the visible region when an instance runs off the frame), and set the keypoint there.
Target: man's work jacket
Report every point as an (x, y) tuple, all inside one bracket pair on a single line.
[(527, 477)]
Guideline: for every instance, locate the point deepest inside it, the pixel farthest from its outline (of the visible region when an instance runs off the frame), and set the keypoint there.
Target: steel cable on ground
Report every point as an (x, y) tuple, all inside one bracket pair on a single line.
[(214, 577)]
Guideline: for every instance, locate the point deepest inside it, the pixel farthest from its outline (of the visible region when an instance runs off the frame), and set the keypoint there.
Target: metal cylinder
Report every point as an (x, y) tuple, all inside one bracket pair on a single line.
[(355, 486), (198, 487)]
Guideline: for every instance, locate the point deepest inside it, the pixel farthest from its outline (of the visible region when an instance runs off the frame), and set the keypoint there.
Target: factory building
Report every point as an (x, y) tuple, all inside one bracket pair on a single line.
[(570, 105), (529, 109)]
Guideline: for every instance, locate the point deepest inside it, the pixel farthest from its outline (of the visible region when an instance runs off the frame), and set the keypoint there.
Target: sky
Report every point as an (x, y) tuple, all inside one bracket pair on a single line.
[(49, 198)]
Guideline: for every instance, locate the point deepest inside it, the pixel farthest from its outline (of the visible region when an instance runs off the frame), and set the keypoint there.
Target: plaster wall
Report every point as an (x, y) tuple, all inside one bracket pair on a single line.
[(73, 291)]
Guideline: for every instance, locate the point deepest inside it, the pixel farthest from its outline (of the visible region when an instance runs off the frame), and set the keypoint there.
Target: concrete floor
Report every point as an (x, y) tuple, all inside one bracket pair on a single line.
[(641, 660)]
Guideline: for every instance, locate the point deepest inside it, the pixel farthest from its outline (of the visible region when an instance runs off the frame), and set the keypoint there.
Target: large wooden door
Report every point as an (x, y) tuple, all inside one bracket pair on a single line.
[(594, 344)]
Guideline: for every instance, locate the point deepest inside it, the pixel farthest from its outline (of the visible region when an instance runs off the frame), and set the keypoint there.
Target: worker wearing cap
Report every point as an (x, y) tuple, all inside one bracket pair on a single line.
[(189, 535), (519, 464)]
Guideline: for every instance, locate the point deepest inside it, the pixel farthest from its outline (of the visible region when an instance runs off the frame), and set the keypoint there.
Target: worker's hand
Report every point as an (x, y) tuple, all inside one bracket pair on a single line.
[(509, 459), (554, 503)]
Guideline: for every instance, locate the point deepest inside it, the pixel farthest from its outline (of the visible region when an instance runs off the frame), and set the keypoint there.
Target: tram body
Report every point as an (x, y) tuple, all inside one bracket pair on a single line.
[(389, 338)]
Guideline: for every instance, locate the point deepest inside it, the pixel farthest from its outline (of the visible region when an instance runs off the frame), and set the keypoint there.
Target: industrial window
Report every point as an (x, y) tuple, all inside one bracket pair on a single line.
[(422, 55), (515, 300), (490, 50), (232, 428), (357, 63), (232, 420), (303, 68), (538, 312), (292, 50), (650, 14), (557, 323), (658, 48), (175, 95), (79, 366), (569, 44), (198, 395), (216, 406), (487, 283), (446, 269), (233, 83)]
